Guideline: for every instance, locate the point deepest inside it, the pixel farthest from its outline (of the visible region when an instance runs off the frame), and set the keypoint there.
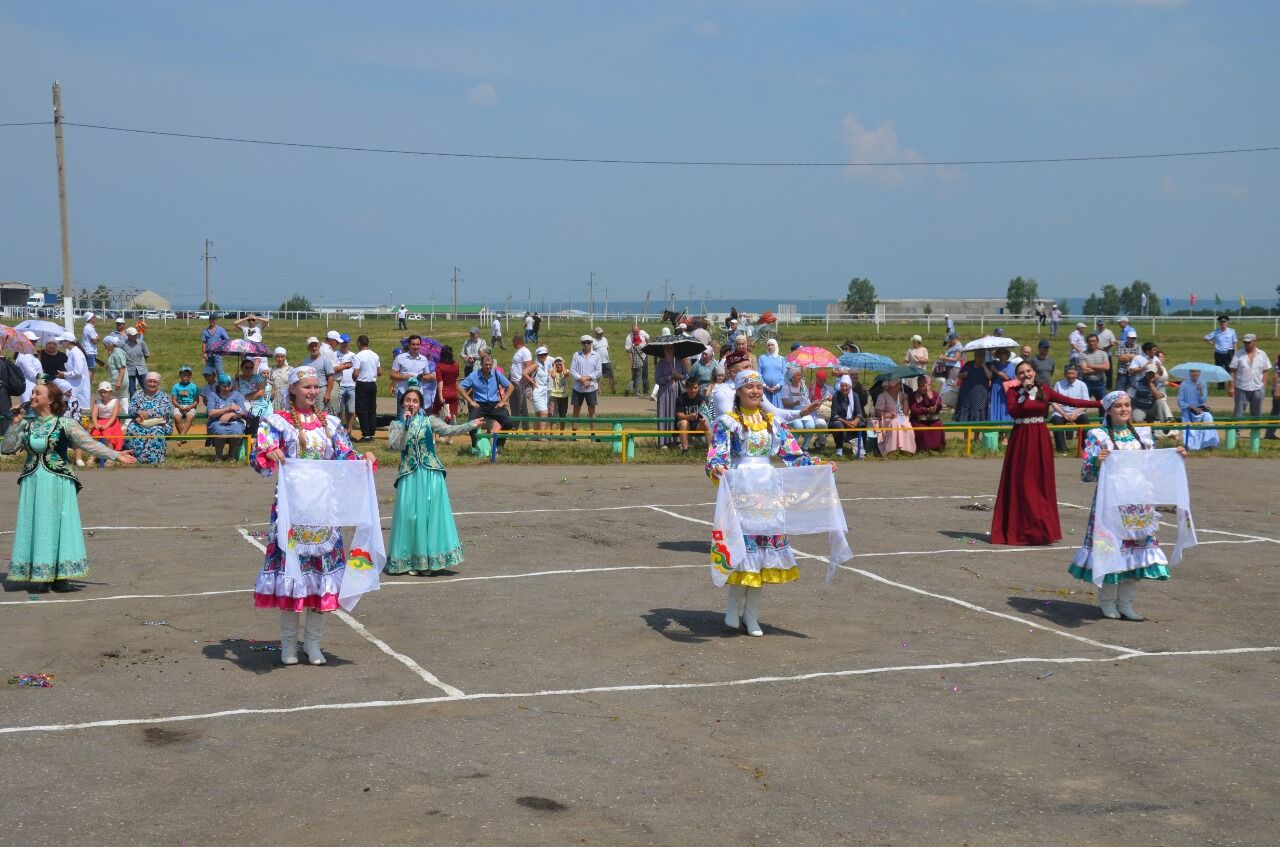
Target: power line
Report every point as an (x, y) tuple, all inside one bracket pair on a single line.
[(575, 160)]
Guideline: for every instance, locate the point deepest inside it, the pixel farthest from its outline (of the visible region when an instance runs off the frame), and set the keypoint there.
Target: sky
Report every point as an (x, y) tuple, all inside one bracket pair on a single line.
[(755, 80)]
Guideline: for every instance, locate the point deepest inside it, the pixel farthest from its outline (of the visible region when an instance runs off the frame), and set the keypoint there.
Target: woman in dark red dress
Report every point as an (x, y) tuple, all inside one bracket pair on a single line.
[(447, 382), (926, 404), (1026, 512)]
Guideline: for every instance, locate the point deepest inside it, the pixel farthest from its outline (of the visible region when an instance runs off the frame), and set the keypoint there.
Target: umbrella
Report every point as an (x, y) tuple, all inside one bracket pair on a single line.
[(13, 341), (900, 372), (989, 342), (685, 346), (811, 357), (47, 330), (1210, 373), (865, 362), (239, 347)]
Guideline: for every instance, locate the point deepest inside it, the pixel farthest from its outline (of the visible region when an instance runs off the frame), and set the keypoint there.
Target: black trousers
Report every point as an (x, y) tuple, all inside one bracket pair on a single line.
[(1223, 360), (1060, 435), (367, 407), (493, 413)]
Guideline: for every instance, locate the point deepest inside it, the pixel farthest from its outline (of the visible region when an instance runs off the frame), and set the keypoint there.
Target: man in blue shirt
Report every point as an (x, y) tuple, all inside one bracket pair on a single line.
[(212, 333), (1224, 343), (485, 391)]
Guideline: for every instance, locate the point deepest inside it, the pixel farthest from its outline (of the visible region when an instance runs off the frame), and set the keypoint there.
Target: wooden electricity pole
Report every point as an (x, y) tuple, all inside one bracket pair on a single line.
[(62, 207), (208, 297)]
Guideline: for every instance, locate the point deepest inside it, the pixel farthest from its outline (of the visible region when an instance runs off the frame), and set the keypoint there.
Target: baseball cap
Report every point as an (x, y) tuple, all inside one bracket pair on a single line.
[(184, 369), (541, 351), (312, 340), (66, 336), (31, 336), (586, 338), (1081, 325), (474, 330), (344, 338), (224, 379), (131, 331), (279, 351), (334, 334), (600, 330), (119, 320), (1044, 343), (1249, 336), (88, 316), (106, 386), (916, 338)]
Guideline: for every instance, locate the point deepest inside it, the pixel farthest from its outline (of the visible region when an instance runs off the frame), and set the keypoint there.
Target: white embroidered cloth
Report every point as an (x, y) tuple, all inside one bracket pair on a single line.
[(1138, 478), (318, 493), (764, 500)]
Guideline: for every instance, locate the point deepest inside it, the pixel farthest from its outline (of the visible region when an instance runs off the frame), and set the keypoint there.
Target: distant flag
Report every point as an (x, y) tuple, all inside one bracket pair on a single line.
[(1144, 299), (1193, 299), (1241, 301), (1167, 301), (1217, 301)]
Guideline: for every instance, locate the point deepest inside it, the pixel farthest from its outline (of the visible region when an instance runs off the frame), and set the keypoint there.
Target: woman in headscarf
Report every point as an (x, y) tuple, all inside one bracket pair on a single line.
[(1142, 556), (773, 370), (278, 379), (1193, 402), (152, 412), (227, 412), (891, 416), (424, 538), (750, 435), (669, 376), (974, 394), (302, 430), (48, 542), (926, 406), (1026, 511)]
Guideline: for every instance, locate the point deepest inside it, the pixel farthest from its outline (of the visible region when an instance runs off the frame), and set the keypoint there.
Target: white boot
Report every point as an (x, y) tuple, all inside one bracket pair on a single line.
[(1128, 590), (288, 638), (1107, 600), (751, 617), (311, 637), (737, 594)]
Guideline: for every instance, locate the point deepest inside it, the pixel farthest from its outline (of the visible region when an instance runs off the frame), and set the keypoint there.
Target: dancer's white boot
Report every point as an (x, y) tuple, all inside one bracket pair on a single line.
[(737, 596), (751, 615), (289, 637), (311, 637), (1128, 590), (1107, 600)]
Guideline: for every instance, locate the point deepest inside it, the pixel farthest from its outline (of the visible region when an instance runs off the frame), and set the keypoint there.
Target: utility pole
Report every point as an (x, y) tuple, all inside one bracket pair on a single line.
[(666, 293), (62, 207), (208, 297), (606, 302), (591, 298), (454, 315), (431, 325)]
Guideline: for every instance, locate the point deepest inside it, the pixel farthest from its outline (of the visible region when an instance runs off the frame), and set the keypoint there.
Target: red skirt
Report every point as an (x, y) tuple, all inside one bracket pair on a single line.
[(112, 435), (1026, 512)]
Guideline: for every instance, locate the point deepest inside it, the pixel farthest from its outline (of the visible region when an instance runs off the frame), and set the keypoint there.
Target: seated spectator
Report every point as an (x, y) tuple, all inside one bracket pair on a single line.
[(1071, 386), (689, 412), (847, 412), (1146, 395), (1193, 402), (152, 420), (106, 420), (185, 395), (795, 395), (227, 413), (252, 386)]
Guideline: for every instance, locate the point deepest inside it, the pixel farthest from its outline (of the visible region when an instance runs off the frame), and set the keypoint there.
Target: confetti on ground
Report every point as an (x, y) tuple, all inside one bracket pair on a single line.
[(1045, 675), (905, 644), (32, 680)]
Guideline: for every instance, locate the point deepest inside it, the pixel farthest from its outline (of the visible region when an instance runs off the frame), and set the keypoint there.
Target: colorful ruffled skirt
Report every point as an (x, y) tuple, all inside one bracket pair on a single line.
[(318, 587), (1143, 557), (770, 561), (424, 536)]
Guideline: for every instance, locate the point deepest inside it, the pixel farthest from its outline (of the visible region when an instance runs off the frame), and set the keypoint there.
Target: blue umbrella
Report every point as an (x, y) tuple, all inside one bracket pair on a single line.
[(1210, 373), (865, 362)]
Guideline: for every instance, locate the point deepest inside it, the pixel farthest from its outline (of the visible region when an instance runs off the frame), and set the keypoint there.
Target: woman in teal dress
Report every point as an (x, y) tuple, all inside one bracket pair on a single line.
[(424, 538), (48, 542)]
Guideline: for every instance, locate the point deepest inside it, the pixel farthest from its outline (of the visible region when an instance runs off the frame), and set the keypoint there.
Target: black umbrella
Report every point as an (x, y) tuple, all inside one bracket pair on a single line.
[(685, 346)]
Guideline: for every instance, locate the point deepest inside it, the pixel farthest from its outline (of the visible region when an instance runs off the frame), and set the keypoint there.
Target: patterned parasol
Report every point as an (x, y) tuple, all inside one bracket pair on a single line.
[(239, 347), (13, 341), (812, 357)]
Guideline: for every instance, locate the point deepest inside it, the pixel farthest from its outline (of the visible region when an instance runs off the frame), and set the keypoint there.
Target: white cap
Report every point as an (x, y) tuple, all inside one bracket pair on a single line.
[(66, 336), (541, 351), (119, 320), (1126, 320), (280, 351), (88, 316), (587, 338), (106, 386), (1082, 325), (31, 336), (916, 338), (312, 340), (131, 331), (334, 335)]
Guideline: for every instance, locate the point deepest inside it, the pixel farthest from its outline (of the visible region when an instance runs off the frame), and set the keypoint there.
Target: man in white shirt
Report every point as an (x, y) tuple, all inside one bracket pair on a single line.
[(367, 370), (118, 333), (89, 344), (316, 358), (1077, 342), (528, 327), (1248, 370), (346, 367), (1107, 344), (601, 346), (495, 335), (413, 364), (585, 370), (521, 377), (634, 345), (402, 315), (472, 349), (1069, 386), (249, 326)]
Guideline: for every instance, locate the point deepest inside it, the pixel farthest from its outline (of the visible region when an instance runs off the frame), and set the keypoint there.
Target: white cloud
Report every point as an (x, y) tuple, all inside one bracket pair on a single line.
[(483, 94), (1230, 190), (867, 146), (708, 28)]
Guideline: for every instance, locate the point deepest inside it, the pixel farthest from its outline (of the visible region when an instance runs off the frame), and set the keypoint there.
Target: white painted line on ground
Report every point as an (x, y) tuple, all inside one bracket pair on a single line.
[(1198, 529), (622, 689), (422, 673), (45, 600), (955, 600)]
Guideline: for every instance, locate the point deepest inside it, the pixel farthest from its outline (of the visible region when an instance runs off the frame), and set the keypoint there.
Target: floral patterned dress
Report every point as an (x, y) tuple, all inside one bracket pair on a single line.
[(143, 406), (1143, 556), (301, 436), (739, 439)]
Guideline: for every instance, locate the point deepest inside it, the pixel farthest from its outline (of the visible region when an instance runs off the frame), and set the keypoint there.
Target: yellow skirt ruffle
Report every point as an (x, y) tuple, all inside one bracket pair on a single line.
[(769, 576)]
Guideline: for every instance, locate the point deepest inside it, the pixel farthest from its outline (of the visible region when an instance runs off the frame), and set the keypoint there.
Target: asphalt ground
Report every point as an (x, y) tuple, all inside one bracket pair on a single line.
[(573, 683)]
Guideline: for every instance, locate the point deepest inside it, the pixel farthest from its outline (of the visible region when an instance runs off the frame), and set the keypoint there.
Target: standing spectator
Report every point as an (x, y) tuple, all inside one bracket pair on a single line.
[(495, 334), (1275, 397), (325, 374), (634, 345), (773, 370), (368, 370), (213, 334), (472, 349), (485, 392), (410, 364), (227, 413), (402, 315), (558, 390), (689, 413), (522, 367), (954, 358), (670, 375), (184, 396), (1126, 351), (602, 347), (1055, 319), (1223, 340), (89, 344), (152, 420), (974, 389), (29, 364), (539, 394), (140, 325), (346, 368), (117, 333), (76, 371), (848, 412), (1043, 363), (703, 368), (926, 409), (252, 388), (917, 356), (1128, 335), (950, 324), (1248, 378), (1094, 365), (332, 340), (585, 370), (249, 327), (278, 379), (1060, 413), (1001, 369), (537, 326), (528, 328), (1107, 344), (446, 386), (1076, 340), (53, 359), (117, 371)]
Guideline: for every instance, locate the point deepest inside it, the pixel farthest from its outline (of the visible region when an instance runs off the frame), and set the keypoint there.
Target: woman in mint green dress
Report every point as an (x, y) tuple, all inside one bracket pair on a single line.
[(424, 538), (48, 542)]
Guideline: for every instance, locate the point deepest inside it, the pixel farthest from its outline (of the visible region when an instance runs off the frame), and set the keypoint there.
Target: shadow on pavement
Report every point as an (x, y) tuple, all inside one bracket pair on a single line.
[(699, 626), (1061, 612)]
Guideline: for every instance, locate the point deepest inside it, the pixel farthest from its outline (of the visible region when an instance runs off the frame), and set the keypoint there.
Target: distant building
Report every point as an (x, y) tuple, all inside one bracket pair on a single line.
[(14, 293), (148, 299), (939, 306)]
